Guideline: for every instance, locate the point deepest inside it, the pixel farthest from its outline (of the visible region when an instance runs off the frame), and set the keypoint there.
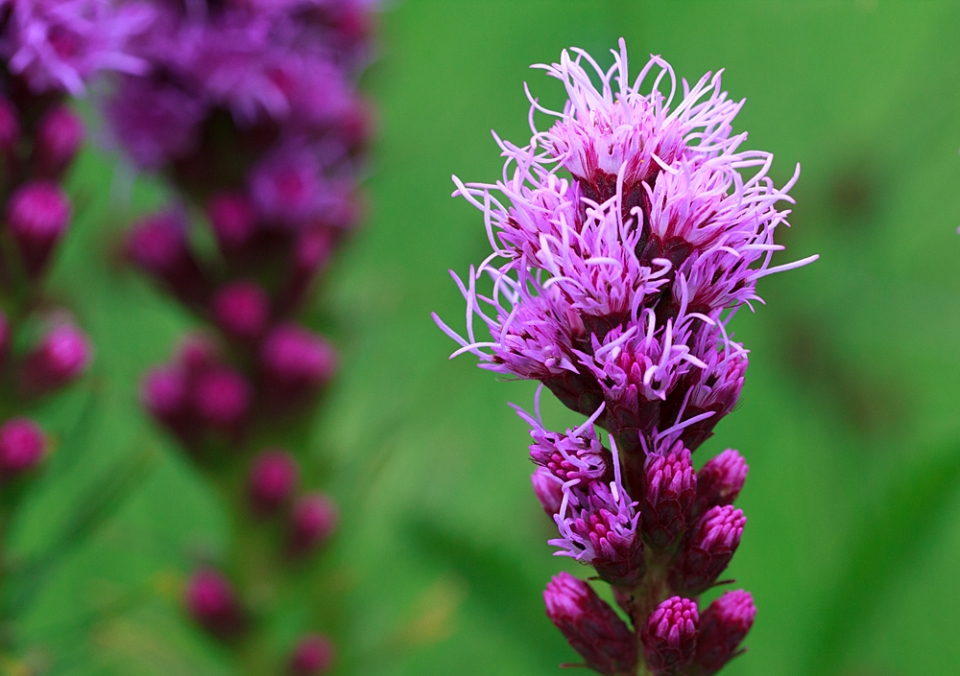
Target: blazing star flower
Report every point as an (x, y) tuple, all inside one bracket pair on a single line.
[(57, 45), (625, 236)]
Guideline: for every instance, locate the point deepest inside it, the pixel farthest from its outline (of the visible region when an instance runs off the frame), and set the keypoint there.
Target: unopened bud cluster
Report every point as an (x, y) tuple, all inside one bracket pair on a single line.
[(625, 237), (251, 112)]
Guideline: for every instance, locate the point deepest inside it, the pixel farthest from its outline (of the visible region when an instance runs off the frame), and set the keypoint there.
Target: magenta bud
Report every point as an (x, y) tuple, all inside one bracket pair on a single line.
[(707, 549), (60, 357), (591, 626), (296, 361), (233, 219), (9, 127), (720, 481), (165, 393), (197, 353), (313, 521), (723, 627), (312, 656), (670, 636), (213, 603), (60, 133), (272, 481), (158, 245), (38, 214), (241, 310), (22, 446), (222, 397), (549, 490), (670, 485)]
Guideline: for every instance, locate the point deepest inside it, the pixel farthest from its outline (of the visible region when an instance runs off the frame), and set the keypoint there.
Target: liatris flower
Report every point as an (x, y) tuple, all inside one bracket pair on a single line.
[(250, 111), (625, 237)]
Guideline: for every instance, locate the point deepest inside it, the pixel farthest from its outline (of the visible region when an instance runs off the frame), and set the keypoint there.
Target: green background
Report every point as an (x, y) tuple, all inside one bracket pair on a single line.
[(848, 418)]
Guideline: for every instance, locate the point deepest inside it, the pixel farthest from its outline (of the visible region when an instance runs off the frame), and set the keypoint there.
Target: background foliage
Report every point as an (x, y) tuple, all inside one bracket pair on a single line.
[(848, 417)]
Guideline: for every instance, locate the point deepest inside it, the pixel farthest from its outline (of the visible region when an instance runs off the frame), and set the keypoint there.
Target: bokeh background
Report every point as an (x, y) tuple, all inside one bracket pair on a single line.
[(848, 418)]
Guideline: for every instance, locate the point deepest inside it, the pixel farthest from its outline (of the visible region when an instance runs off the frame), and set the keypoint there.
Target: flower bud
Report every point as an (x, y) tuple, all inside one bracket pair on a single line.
[(720, 480), (591, 626), (38, 214), (723, 627), (165, 393), (158, 245), (312, 656), (9, 127), (708, 549), (549, 490), (22, 446), (213, 603), (241, 310), (670, 485), (670, 636), (314, 518), (233, 219), (197, 353), (222, 397), (60, 133), (60, 357), (296, 361), (272, 481)]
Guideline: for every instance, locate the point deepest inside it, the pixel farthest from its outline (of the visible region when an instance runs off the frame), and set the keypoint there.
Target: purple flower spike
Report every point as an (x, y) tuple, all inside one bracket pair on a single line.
[(38, 214), (591, 626), (223, 398), (720, 481), (670, 485), (549, 490), (60, 357), (22, 446), (158, 245), (723, 627), (241, 310), (9, 127), (314, 519), (296, 361), (213, 603), (312, 656), (625, 235), (60, 133), (272, 480), (670, 636), (708, 549)]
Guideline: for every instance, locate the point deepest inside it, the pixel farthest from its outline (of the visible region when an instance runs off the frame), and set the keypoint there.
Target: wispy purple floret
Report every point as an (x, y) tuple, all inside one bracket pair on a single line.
[(57, 45)]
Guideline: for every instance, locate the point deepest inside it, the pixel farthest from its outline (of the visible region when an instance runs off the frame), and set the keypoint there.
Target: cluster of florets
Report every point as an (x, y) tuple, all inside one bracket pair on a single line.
[(250, 109), (624, 238)]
